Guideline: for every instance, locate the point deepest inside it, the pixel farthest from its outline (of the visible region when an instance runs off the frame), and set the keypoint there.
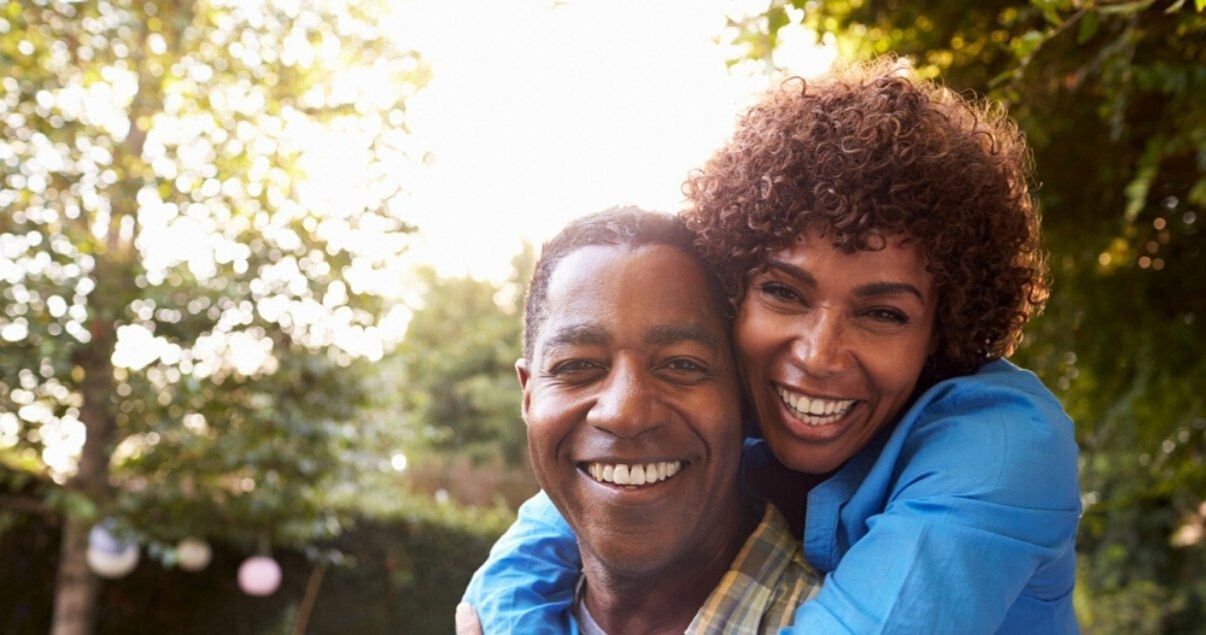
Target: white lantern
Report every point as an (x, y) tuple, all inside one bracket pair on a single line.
[(193, 554), (109, 556), (259, 575)]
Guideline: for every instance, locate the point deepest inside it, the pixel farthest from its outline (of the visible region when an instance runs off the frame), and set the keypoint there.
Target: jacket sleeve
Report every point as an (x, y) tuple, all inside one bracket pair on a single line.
[(527, 583), (978, 520)]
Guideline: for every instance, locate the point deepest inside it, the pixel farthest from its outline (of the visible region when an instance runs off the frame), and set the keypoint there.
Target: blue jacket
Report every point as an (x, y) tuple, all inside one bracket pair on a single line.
[(960, 519)]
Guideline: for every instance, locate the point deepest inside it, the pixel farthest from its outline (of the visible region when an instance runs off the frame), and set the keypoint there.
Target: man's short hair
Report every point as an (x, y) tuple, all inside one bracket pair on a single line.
[(621, 226)]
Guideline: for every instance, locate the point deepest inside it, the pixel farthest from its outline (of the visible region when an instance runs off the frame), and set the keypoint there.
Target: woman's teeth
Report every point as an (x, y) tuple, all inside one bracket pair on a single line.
[(627, 474), (814, 410)]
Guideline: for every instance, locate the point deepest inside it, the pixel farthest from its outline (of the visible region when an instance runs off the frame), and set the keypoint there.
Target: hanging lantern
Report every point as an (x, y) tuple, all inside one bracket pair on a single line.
[(193, 554), (110, 556), (259, 575)]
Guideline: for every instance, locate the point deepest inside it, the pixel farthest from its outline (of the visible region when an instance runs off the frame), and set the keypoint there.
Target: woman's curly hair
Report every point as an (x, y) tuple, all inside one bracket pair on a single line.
[(866, 152)]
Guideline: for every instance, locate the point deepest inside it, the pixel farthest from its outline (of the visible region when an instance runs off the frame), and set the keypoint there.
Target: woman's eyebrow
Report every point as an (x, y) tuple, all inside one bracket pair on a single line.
[(888, 288), (793, 271), (864, 291)]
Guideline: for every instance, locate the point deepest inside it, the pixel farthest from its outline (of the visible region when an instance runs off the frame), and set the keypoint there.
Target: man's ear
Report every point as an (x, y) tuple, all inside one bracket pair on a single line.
[(521, 371)]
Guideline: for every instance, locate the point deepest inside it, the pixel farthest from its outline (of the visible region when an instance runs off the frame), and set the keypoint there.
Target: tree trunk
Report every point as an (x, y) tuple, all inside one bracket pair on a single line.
[(75, 585)]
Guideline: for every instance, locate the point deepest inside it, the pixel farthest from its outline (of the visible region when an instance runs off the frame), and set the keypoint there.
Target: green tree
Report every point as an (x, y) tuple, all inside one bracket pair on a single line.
[(1111, 97), (186, 306), (458, 364)]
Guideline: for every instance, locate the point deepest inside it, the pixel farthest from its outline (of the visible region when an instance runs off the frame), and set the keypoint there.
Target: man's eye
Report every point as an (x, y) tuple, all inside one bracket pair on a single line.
[(684, 364), (682, 367)]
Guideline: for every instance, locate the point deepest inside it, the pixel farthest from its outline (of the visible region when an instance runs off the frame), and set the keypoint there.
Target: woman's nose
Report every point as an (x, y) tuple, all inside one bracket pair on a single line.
[(820, 344)]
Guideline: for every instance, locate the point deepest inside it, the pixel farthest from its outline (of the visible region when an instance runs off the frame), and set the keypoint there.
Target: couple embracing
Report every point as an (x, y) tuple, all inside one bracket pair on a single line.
[(788, 407)]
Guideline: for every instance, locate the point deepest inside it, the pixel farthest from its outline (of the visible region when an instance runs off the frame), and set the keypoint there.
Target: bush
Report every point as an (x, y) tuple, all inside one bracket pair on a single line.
[(402, 574)]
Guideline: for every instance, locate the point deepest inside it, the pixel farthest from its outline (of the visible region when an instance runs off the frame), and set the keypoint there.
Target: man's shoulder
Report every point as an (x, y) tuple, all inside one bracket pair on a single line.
[(765, 584)]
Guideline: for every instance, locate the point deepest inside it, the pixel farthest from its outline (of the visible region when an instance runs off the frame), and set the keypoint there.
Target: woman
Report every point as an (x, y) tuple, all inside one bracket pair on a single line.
[(879, 242)]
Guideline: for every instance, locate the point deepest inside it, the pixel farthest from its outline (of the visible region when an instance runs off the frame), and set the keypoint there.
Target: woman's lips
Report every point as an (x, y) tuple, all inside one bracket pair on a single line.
[(812, 410), (813, 417)]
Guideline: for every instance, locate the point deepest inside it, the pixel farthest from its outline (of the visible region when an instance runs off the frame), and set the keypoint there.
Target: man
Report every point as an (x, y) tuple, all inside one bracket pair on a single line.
[(631, 401)]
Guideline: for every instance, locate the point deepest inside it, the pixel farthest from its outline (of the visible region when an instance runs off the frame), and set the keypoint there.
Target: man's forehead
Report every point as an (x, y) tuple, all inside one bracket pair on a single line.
[(657, 293)]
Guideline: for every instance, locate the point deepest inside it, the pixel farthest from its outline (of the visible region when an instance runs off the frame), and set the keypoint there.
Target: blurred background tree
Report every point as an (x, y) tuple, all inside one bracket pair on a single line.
[(184, 307), (467, 397), (1113, 98), (464, 435)]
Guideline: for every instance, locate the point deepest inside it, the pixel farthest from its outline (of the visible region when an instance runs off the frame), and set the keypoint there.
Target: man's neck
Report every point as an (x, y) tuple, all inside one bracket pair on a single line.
[(666, 601)]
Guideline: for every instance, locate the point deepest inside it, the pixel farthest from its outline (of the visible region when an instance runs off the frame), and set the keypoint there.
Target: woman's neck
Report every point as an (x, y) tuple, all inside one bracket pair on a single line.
[(787, 489)]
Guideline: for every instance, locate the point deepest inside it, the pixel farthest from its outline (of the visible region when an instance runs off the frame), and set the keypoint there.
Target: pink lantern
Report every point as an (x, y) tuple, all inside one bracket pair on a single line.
[(259, 575)]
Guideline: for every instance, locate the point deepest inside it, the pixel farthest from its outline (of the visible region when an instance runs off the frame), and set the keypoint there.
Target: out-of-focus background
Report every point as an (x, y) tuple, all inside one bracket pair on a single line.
[(261, 264)]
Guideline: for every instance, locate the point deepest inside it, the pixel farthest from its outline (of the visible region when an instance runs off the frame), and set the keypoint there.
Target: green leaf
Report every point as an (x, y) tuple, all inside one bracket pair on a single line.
[(1026, 44), (776, 19), (1127, 7), (1087, 28)]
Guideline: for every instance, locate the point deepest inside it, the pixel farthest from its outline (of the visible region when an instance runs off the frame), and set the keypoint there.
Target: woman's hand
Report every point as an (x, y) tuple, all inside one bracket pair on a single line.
[(466, 620)]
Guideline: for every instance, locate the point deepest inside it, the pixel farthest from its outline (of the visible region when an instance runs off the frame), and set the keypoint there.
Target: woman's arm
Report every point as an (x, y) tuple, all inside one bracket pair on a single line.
[(527, 583), (965, 523)]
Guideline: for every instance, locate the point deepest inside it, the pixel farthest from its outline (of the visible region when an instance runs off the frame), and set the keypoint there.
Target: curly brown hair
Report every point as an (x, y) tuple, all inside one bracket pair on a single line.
[(868, 151)]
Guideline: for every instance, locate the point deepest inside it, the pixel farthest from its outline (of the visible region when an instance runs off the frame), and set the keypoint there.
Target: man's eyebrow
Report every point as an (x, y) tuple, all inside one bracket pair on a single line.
[(577, 335), (888, 288), (674, 333)]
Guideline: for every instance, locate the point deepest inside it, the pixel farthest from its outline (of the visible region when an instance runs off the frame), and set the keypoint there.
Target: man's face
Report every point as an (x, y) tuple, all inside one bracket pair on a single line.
[(631, 403)]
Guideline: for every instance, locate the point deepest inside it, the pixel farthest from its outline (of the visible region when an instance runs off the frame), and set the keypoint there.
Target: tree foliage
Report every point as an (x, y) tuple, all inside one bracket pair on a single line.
[(1110, 95), (458, 364), (188, 305)]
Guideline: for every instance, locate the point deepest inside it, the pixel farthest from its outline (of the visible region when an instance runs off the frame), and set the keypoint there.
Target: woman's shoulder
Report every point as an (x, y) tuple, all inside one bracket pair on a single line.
[(997, 394), (998, 431)]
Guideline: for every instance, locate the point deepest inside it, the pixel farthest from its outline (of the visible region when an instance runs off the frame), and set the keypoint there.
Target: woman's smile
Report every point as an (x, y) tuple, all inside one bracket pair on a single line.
[(813, 410)]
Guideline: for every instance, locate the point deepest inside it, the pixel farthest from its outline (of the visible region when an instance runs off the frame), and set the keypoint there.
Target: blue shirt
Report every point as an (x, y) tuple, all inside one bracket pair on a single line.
[(960, 519)]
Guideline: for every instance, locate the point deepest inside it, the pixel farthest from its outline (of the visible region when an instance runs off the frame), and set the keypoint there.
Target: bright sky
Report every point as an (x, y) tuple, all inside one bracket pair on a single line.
[(539, 112)]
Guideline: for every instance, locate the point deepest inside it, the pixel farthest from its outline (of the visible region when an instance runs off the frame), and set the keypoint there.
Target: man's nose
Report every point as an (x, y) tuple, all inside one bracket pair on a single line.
[(627, 405), (820, 345)]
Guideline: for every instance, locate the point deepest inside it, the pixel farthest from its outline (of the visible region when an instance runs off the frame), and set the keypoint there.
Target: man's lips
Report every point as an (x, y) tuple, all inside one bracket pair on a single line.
[(632, 474), (813, 410)]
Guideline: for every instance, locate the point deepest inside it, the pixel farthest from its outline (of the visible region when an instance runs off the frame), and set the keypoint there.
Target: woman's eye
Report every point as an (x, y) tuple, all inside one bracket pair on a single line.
[(779, 291), (893, 316)]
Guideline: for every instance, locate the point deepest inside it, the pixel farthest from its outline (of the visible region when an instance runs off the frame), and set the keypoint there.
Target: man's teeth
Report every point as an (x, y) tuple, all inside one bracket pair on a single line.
[(638, 474), (814, 410)]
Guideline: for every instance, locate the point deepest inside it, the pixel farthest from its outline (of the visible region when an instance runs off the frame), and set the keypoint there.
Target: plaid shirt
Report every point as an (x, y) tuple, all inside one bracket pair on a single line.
[(763, 586), (759, 593)]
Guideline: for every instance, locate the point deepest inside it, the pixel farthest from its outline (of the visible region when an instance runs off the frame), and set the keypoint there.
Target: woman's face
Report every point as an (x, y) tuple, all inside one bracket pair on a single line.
[(831, 345)]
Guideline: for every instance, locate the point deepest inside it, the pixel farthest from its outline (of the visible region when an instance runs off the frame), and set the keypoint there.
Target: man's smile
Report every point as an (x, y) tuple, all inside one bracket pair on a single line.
[(631, 473)]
